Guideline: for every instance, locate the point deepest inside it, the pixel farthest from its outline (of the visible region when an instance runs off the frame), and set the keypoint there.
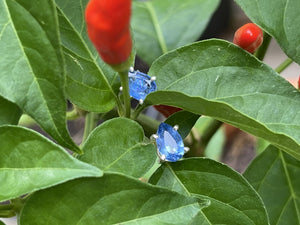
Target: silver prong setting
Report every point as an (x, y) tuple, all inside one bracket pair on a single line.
[(176, 127), (163, 157), (166, 151), (153, 137), (186, 149), (153, 78), (160, 161)]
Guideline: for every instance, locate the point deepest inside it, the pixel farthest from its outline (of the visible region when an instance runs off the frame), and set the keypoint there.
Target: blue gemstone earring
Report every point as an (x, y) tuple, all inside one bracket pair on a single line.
[(169, 143), (140, 85)]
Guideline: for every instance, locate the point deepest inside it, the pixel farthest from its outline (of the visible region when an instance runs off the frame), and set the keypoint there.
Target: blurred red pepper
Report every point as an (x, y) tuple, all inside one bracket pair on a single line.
[(166, 110), (299, 83), (108, 26), (248, 37)]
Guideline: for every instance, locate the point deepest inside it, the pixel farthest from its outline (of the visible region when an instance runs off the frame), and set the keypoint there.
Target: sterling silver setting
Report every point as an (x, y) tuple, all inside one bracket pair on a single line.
[(162, 157)]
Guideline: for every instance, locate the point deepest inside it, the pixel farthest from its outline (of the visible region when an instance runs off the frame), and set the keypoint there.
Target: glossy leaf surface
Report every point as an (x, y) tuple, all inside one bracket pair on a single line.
[(89, 80), (233, 200), (185, 120), (10, 113), (31, 65), (275, 176), (161, 26), (30, 162), (217, 79), (281, 21), (118, 146), (112, 199)]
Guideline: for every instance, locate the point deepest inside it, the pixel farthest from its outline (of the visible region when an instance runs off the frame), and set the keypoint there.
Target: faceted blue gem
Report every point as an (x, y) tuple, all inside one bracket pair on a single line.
[(169, 143), (140, 85)]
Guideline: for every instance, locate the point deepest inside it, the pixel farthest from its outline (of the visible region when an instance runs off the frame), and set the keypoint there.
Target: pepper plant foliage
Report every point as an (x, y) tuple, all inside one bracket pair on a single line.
[(47, 58)]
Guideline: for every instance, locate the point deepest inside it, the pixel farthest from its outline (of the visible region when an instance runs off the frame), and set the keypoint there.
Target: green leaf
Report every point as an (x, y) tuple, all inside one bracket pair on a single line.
[(261, 145), (118, 146), (233, 200), (275, 176), (203, 124), (30, 162), (10, 113), (218, 79), (91, 84), (31, 65), (112, 199), (160, 26), (214, 147), (280, 18), (185, 120)]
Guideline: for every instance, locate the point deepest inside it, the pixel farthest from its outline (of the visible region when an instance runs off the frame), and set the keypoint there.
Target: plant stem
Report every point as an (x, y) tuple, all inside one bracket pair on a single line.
[(125, 91), (119, 106), (7, 213), (27, 121), (138, 110), (90, 124), (197, 147), (157, 27), (6, 207), (72, 115), (193, 135), (210, 131), (17, 204), (283, 65), (150, 125), (261, 52)]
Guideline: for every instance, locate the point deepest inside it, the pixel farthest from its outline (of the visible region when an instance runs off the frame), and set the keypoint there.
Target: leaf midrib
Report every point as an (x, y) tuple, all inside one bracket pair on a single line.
[(34, 79), (292, 191), (192, 72), (4, 27), (88, 52), (205, 196), (266, 173), (155, 215), (283, 209), (121, 156), (87, 86), (178, 180), (157, 27), (226, 204)]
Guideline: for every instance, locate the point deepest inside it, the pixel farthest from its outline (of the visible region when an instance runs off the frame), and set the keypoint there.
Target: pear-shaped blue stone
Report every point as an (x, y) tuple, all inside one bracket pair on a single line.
[(140, 85), (169, 143)]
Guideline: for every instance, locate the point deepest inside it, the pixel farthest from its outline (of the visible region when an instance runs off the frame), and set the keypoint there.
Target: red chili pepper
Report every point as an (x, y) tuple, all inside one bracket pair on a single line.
[(249, 37), (108, 26), (166, 110)]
